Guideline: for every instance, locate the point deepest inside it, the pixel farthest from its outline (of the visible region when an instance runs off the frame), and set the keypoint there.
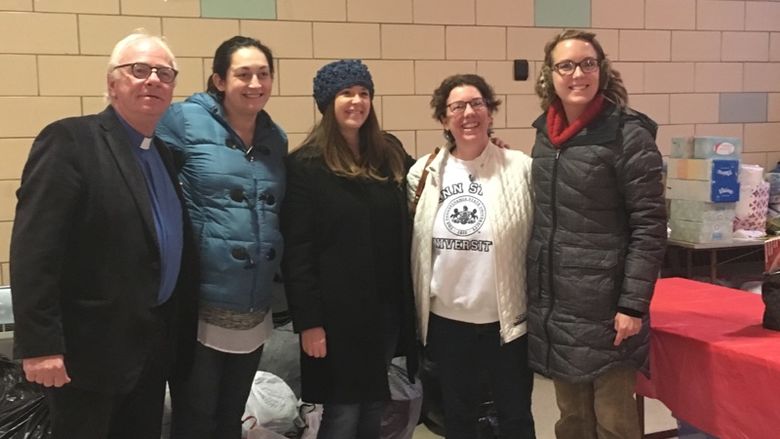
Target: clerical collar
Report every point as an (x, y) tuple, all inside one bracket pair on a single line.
[(136, 139)]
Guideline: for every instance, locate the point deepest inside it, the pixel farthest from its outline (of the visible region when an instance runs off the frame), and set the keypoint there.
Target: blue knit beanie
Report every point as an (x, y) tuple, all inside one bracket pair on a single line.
[(338, 75)]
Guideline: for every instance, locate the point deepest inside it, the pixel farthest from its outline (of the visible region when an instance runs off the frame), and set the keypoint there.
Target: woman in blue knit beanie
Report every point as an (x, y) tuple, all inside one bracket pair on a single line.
[(346, 263)]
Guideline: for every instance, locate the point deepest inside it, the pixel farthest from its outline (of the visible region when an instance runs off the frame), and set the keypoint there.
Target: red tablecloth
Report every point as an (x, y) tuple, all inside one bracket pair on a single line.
[(711, 362)]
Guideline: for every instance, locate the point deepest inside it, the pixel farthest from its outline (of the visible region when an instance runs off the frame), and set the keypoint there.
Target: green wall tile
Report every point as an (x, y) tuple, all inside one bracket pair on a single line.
[(262, 9), (562, 13)]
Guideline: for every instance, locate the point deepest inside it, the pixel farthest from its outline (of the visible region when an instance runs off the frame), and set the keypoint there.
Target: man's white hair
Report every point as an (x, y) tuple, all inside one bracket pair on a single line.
[(136, 36)]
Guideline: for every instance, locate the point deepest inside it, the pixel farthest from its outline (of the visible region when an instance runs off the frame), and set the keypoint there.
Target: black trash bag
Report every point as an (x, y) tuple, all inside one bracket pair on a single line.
[(432, 414), (24, 413), (770, 292)]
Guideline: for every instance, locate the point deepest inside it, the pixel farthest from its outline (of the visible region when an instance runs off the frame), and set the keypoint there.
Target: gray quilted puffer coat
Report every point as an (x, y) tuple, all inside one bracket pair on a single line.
[(597, 244)]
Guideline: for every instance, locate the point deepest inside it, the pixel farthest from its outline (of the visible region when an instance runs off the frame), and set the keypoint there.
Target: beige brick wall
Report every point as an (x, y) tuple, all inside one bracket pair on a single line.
[(676, 58)]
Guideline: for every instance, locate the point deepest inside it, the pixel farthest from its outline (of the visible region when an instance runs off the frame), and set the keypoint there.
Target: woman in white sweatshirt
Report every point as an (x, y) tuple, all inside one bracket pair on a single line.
[(472, 222)]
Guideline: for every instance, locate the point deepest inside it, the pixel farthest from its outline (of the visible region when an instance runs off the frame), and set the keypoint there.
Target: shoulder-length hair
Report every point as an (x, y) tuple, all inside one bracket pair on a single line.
[(610, 81), (380, 159)]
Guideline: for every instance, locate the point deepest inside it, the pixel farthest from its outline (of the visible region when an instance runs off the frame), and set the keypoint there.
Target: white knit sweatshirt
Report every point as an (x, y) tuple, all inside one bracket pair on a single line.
[(508, 175)]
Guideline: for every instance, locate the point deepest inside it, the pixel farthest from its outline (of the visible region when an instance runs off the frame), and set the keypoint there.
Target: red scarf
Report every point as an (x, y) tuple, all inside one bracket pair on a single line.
[(559, 130)]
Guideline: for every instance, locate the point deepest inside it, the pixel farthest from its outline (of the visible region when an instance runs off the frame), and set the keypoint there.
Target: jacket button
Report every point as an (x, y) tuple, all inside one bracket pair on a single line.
[(271, 255), (271, 200), (237, 195), (239, 253)]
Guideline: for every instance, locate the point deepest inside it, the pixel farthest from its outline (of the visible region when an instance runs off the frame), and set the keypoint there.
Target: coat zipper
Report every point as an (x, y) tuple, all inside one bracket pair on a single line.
[(553, 228)]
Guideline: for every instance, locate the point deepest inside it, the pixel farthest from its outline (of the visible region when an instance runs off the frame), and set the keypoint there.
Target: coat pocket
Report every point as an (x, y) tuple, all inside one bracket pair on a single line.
[(586, 282)]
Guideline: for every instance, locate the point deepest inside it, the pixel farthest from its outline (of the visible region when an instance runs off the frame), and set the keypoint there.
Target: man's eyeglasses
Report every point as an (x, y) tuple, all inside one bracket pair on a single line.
[(460, 106), (566, 68), (142, 70)]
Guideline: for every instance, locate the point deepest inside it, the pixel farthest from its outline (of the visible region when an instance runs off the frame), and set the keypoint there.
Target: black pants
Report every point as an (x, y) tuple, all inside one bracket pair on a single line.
[(463, 352), (209, 404)]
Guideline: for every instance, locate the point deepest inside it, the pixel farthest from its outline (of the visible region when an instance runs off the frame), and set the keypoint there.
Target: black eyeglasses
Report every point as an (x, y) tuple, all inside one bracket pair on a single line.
[(142, 70), (460, 106), (566, 68)]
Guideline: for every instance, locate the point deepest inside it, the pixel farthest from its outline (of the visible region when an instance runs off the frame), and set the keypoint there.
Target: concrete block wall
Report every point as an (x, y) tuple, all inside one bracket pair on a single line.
[(698, 67)]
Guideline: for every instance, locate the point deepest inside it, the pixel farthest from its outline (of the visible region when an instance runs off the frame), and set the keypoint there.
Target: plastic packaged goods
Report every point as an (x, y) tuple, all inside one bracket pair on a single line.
[(690, 210), (701, 232)]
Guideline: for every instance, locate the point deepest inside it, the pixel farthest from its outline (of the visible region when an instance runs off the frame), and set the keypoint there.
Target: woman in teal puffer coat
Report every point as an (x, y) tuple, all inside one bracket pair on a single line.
[(231, 158)]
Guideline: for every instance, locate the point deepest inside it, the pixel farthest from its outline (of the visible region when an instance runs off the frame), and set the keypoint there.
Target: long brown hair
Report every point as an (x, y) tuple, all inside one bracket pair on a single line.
[(379, 158), (610, 81)]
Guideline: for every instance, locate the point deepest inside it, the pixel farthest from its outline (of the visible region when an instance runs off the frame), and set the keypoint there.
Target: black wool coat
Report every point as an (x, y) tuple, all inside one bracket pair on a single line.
[(328, 269)]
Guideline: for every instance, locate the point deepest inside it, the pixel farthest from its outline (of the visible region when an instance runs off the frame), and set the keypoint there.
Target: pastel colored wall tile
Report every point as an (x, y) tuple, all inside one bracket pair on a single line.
[(37, 113), (295, 140), (453, 13), (428, 140), (83, 6), (670, 14), (392, 77), (665, 133), (190, 79), (8, 199), (315, 10), (694, 108), (521, 110), (14, 153), (762, 77), (346, 40), (745, 46), (408, 139), (755, 158), (720, 15), (655, 106), (99, 33), (632, 74), (762, 15), (5, 271), (16, 5), (396, 39), (645, 45), (772, 159), (380, 11), (96, 104), (294, 114), (562, 13), (57, 75), (210, 34), (475, 42), (499, 117), (245, 9), (622, 14), (743, 107), (5, 240), (773, 107), (505, 12), (60, 35), (718, 77), (695, 46), (500, 75), (610, 42), (429, 74), (774, 46), (719, 129), (287, 39), (521, 139), (295, 76), (19, 76), (407, 113), (528, 43), (669, 77), (171, 8), (761, 137)]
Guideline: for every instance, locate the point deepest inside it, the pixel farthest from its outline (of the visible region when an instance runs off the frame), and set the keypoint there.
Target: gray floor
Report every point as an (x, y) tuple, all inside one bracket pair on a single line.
[(657, 416)]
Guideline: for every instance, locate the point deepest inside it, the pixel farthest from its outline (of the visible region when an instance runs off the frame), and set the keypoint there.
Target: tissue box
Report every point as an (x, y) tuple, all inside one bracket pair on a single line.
[(706, 147), (702, 211), (701, 231), (702, 169), (722, 190)]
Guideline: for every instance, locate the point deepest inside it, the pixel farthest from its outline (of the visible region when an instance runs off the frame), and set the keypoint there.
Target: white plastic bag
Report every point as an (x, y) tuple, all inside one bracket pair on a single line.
[(273, 404)]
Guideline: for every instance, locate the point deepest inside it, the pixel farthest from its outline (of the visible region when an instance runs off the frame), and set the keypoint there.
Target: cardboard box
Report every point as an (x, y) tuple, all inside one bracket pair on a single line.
[(701, 169), (725, 190), (706, 147)]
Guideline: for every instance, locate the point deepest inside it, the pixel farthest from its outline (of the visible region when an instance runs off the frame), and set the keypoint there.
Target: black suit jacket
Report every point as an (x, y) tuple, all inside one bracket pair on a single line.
[(85, 264)]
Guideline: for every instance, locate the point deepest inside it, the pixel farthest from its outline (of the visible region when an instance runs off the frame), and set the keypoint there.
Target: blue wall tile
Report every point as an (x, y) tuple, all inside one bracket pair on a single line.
[(262, 9), (562, 13), (743, 107)]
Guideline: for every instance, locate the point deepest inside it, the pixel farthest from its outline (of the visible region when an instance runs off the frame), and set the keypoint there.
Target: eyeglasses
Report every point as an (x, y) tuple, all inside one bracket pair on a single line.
[(142, 70), (460, 106), (566, 68)]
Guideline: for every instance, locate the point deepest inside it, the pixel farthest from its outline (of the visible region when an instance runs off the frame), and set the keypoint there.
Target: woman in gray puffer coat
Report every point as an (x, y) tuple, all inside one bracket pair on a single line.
[(598, 239)]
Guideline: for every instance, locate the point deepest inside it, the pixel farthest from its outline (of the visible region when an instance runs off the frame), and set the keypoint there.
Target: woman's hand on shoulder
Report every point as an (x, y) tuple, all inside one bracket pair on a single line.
[(314, 342)]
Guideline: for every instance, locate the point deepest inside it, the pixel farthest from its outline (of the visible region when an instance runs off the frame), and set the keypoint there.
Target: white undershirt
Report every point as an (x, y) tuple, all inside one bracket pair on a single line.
[(463, 281), (235, 341)]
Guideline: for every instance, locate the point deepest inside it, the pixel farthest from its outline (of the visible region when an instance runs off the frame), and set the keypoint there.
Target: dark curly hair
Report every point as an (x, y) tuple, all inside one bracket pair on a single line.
[(610, 82), (442, 93)]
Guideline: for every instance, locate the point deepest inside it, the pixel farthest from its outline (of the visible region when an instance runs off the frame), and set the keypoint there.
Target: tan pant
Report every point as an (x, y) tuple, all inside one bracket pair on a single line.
[(602, 409)]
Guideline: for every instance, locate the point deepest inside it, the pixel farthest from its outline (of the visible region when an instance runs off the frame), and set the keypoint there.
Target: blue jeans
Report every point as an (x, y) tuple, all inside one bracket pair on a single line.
[(211, 402), (463, 352)]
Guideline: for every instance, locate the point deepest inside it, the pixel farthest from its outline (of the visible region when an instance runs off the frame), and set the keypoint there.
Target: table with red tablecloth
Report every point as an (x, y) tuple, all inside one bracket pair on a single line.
[(711, 361)]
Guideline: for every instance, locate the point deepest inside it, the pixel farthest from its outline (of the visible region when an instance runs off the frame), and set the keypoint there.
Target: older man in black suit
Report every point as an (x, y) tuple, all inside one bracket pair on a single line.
[(101, 271)]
